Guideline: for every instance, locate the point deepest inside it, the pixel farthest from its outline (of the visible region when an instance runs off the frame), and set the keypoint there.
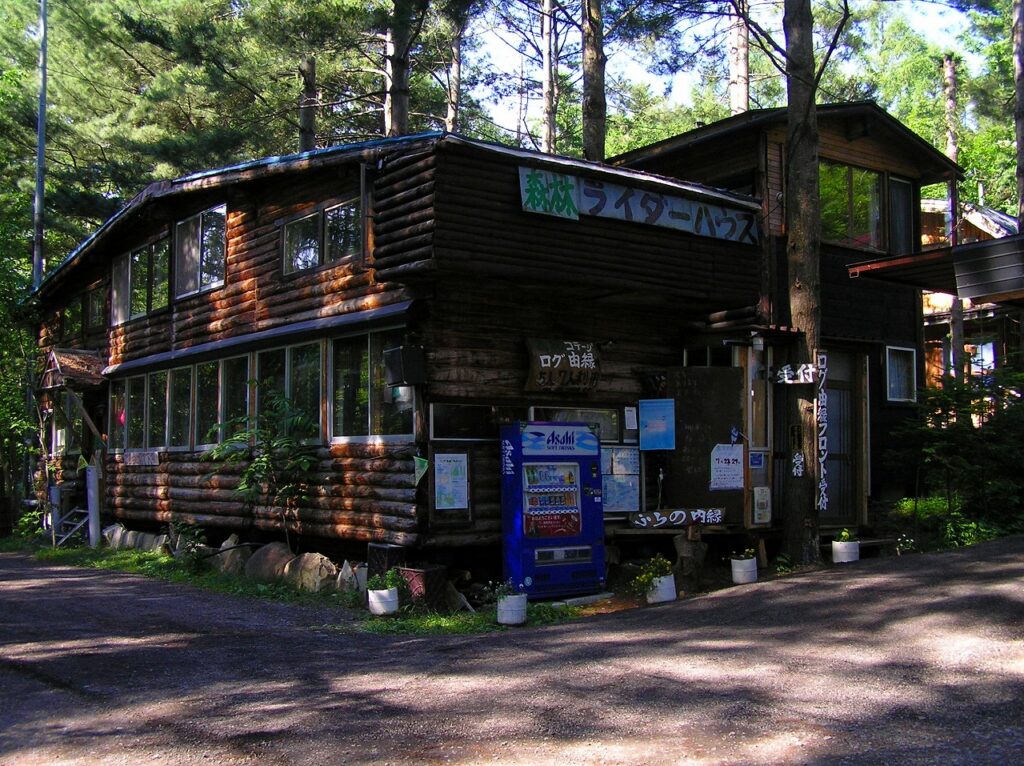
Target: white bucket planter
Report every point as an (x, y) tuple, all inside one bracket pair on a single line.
[(662, 589), (512, 609), (844, 553), (744, 570), (382, 601)]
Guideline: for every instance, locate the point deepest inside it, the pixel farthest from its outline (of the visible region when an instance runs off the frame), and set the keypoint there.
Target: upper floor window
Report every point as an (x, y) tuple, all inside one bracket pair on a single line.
[(199, 250), (95, 305), (851, 206), (71, 319), (328, 235), (139, 283)]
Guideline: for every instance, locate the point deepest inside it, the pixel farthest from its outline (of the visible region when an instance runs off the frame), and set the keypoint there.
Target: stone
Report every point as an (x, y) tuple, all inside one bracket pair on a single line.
[(114, 534), (232, 557), (455, 600), (267, 562), (130, 539), (311, 572), (346, 581)]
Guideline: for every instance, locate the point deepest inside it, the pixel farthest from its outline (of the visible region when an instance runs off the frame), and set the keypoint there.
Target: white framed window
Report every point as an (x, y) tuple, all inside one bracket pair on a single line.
[(362, 404), (326, 236), (901, 374), (179, 398), (199, 251), (296, 374), (139, 281)]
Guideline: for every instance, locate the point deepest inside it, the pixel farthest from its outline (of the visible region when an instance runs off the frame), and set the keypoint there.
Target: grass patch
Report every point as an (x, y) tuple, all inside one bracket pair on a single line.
[(163, 567), (483, 621)]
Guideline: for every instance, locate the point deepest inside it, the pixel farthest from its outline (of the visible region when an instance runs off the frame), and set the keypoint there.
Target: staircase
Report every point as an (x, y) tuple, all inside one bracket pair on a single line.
[(64, 526)]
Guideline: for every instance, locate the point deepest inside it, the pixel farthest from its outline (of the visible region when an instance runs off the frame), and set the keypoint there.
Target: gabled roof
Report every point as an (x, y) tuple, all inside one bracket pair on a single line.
[(74, 368), (206, 180), (934, 164)]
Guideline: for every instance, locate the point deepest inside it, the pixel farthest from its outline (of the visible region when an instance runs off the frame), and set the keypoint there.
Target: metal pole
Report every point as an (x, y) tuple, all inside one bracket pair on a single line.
[(37, 210)]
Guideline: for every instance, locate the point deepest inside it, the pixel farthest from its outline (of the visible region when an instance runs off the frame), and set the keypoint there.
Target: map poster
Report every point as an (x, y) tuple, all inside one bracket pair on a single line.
[(451, 481)]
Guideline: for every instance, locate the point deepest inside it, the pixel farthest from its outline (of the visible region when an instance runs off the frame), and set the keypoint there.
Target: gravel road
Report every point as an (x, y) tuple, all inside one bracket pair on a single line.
[(910, 660)]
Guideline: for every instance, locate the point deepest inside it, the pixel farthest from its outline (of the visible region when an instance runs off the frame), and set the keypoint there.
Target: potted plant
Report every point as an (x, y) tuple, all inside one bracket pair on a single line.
[(655, 580), (845, 547), (382, 592), (510, 602), (744, 566)]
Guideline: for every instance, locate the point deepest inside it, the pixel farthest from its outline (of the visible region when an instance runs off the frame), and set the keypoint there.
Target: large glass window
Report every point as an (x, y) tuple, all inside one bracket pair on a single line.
[(95, 316), (115, 430), (328, 235), (235, 394), (901, 217), (136, 412), (199, 251), (71, 320), (180, 392), (207, 403), (851, 206), (362, 401), (157, 427)]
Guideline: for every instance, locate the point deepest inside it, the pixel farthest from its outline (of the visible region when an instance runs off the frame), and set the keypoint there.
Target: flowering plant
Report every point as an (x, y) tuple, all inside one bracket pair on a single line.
[(845, 536), (495, 591), (650, 570), (746, 553)]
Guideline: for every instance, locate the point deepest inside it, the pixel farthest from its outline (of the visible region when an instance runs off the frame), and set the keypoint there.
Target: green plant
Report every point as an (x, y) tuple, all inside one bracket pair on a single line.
[(272, 451), (495, 591), (653, 568), (744, 555), (845, 536), (905, 544), (390, 579), (190, 541), (784, 564)]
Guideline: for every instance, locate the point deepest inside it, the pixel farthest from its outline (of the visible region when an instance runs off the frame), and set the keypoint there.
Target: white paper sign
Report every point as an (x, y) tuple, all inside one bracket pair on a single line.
[(451, 481), (727, 466)]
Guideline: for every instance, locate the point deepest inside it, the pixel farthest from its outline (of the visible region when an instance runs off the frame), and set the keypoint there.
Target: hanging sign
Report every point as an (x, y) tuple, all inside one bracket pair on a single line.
[(676, 518), (821, 420), (789, 375), (563, 365)]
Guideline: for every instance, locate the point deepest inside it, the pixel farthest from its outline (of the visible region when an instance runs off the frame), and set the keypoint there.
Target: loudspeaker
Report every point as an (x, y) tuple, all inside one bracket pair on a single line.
[(403, 366)]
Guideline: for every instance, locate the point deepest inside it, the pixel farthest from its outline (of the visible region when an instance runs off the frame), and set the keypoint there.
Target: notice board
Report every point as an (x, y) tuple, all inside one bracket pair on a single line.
[(709, 405)]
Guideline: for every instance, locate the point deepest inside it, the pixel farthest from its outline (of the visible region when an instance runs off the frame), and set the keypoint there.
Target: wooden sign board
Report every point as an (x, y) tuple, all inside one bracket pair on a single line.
[(563, 365)]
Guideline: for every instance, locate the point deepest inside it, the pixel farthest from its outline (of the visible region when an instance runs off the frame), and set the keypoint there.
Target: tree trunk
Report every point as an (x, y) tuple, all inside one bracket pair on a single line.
[(594, 60), (800, 514), (956, 309), (451, 118), (1018, 101), (547, 42), (739, 60), (397, 42), (307, 104)]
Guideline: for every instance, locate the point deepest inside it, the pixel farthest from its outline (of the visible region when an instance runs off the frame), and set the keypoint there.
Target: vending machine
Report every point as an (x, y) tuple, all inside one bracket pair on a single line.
[(552, 515)]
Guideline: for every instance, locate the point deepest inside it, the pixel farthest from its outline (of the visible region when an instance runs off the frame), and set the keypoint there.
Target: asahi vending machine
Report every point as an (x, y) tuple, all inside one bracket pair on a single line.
[(552, 515)]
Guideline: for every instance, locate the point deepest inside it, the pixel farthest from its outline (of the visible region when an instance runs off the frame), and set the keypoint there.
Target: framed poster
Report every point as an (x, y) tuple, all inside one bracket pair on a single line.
[(450, 487), (657, 424)]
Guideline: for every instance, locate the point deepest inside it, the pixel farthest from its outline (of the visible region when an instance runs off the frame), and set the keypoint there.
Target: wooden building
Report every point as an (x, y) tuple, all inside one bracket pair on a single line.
[(871, 171), (408, 295)]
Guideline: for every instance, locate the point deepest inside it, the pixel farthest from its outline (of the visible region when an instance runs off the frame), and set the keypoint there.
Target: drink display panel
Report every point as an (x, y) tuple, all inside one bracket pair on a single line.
[(551, 500)]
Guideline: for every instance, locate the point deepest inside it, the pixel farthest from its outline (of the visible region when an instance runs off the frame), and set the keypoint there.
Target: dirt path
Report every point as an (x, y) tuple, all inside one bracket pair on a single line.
[(918, 659)]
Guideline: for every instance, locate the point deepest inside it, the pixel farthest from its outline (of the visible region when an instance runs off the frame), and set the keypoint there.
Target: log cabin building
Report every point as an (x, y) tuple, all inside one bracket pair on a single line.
[(412, 294)]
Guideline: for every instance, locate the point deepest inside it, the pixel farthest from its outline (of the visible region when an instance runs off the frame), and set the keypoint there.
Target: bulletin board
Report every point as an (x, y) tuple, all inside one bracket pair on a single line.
[(450, 485), (709, 404)]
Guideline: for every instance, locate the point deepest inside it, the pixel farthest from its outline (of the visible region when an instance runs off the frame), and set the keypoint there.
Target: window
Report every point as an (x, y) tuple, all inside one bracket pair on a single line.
[(851, 206), (901, 217), (471, 421), (207, 403), (115, 430), (199, 251), (136, 413), (157, 428), (95, 315), (901, 374), (328, 235), (234, 394), (71, 319), (294, 373), (140, 282), (179, 391), (362, 403), (66, 436)]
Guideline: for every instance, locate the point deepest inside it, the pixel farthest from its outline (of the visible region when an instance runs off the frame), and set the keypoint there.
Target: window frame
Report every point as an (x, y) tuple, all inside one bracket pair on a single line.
[(883, 202), (198, 220), (123, 281), (357, 200), (889, 357), (370, 437)]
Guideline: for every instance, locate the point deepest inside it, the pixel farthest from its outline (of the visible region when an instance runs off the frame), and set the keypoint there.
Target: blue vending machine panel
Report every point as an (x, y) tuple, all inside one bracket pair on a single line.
[(552, 515)]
